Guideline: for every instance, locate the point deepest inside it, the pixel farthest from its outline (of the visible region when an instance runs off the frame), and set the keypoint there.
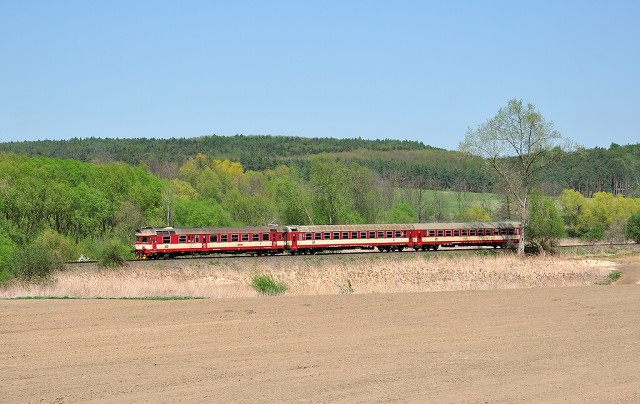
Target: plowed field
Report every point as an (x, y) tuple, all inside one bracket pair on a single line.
[(572, 344)]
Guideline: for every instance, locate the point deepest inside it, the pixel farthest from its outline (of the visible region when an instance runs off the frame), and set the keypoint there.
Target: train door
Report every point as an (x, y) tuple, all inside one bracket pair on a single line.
[(204, 241), (153, 243)]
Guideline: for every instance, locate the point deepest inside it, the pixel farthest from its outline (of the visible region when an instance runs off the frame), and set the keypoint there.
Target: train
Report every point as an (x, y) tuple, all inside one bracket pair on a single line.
[(172, 242)]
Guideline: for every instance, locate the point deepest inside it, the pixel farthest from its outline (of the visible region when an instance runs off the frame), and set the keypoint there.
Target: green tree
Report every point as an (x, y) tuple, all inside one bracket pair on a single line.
[(401, 213), (475, 213), (517, 143), (291, 198), (331, 196), (633, 227), (572, 206), (545, 222)]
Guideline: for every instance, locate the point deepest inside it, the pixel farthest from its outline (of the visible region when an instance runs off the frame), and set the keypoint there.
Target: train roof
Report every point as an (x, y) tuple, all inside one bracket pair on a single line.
[(469, 225), (351, 227), (206, 230)]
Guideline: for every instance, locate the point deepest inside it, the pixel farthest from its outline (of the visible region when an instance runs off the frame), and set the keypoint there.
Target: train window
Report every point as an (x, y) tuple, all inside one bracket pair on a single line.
[(363, 234), (336, 235), (432, 233), (327, 236), (345, 234), (224, 238), (447, 233), (463, 232), (182, 239), (166, 239), (456, 233), (255, 237), (440, 233), (318, 236), (354, 234), (245, 237), (234, 237), (372, 234), (308, 236), (265, 236), (512, 231), (389, 234), (213, 238), (398, 233), (380, 234), (503, 232)]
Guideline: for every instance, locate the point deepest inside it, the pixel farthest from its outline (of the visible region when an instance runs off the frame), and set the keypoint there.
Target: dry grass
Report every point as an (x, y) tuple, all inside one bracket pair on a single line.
[(318, 275)]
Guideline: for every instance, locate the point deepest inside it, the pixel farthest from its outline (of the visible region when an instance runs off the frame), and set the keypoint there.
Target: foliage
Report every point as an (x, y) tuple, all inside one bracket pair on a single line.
[(594, 234), (266, 285), (474, 213), (517, 143), (401, 213), (112, 254), (633, 227), (7, 251), (33, 262), (545, 226)]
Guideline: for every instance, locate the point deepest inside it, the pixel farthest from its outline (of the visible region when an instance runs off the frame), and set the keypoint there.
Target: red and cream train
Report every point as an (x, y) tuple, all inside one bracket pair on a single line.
[(169, 242)]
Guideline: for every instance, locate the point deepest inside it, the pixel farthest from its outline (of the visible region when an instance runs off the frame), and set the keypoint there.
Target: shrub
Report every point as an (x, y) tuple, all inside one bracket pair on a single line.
[(33, 262), (7, 250), (266, 285), (594, 234), (112, 254), (633, 227)]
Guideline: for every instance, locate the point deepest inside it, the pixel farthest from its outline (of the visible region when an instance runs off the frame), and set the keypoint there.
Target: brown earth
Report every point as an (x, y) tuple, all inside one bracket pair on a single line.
[(573, 344)]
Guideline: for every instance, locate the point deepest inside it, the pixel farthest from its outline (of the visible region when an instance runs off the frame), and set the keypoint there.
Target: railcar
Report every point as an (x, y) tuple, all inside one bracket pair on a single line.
[(431, 236), (170, 242), (384, 237)]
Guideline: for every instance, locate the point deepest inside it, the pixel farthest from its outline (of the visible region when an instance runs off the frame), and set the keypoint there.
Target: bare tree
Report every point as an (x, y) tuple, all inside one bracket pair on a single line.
[(518, 142)]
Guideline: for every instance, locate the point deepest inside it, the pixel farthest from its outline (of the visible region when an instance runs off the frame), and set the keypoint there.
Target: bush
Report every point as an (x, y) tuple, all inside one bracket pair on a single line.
[(7, 250), (633, 227), (266, 285), (594, 234), (33, 262), (113, 254)]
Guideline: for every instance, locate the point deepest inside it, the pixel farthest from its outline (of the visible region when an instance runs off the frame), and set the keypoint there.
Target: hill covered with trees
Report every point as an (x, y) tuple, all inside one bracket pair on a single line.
[(408, 164)]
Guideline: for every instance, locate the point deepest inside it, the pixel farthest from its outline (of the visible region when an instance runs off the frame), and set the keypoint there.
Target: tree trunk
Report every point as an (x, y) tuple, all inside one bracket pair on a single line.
[(523, 223)]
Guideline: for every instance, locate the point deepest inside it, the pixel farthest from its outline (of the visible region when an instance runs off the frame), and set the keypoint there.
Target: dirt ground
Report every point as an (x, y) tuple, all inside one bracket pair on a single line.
[(574, 344)]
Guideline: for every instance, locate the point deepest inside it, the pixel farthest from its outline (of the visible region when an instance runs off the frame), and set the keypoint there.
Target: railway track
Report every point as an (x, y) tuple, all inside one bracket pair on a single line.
[(442, 251)]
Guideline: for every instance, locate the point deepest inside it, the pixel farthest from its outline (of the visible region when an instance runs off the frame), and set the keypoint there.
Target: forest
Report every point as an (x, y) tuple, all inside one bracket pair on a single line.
[(409, 164), (60, 200)]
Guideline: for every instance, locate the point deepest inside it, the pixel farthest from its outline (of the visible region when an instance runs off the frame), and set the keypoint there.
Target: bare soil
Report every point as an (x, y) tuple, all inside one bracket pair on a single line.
[(561, 344)]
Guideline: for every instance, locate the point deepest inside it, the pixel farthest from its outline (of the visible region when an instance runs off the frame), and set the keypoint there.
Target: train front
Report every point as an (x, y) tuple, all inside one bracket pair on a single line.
[(145, 243)]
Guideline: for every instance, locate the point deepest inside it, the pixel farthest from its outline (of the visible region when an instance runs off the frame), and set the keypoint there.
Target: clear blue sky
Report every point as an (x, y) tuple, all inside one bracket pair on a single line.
[(417, 70)]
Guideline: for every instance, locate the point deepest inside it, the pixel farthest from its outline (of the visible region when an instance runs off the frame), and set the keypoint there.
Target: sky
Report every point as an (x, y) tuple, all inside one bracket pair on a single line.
[(408, 70)]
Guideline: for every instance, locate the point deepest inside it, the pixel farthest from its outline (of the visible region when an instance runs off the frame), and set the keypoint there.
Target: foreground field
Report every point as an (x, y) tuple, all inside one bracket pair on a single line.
[(576, 344), (537, 343)]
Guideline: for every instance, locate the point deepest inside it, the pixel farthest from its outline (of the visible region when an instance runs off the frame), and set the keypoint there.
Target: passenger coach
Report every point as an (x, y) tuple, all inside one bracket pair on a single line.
[(384, 237), (431, 236), (169, 242)]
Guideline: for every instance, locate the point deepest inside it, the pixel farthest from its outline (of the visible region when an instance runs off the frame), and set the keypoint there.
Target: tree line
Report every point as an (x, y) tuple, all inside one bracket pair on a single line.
[(408, 164)]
